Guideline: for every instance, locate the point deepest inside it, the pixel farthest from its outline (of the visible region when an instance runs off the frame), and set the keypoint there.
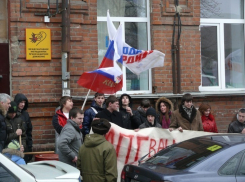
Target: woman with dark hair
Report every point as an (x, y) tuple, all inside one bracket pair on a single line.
[(186, 117), (208, 120), (164, 108)]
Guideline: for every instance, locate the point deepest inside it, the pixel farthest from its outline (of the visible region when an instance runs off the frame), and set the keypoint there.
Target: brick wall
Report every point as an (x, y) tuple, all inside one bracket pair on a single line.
[(162, 31), (40, 81)]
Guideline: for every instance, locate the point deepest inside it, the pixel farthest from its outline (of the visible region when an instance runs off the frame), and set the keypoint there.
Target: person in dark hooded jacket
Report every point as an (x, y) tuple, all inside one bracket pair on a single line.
[(22, 104), (130, 121), (140, 113), (150, 119), (96, 106)]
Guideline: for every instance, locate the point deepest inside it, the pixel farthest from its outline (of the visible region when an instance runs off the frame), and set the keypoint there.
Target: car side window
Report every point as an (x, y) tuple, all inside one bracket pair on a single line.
[(241, 170), (6, 175), (230, 167)]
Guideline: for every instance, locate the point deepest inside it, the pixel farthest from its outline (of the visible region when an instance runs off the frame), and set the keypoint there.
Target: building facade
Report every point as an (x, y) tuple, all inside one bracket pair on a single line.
[(203, 56)]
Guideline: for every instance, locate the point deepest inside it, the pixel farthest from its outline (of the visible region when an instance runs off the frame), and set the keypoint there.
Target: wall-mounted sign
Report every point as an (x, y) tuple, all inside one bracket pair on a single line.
[(38, 44)]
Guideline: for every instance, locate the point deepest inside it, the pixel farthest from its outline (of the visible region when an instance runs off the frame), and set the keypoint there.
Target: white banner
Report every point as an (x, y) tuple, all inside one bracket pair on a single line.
[(130, 146), (135, 60), (138, 61)]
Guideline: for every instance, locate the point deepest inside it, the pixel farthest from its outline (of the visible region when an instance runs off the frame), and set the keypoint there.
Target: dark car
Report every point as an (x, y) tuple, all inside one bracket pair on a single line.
[(213, 158)]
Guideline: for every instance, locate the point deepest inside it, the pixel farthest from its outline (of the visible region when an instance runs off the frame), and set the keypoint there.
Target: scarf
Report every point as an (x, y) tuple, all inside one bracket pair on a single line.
[(165, 123), (188, 110)]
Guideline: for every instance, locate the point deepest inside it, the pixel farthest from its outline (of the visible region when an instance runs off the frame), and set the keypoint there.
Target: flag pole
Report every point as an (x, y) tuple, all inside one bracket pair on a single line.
[(86, 99)]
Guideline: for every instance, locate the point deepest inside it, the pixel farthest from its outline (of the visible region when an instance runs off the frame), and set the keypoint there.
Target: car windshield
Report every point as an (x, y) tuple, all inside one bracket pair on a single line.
[(185, 154)]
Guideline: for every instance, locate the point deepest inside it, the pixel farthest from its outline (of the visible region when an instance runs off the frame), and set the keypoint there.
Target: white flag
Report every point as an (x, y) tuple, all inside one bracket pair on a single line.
[(135, 60)]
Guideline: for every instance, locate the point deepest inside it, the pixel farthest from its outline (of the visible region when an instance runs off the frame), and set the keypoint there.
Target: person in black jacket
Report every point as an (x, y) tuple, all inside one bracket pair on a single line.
[(97, 105), (22, 103), (111, 112), (151, 120), (238, 124), (4, 106), (130, 121), (15, 125), (140, 113)]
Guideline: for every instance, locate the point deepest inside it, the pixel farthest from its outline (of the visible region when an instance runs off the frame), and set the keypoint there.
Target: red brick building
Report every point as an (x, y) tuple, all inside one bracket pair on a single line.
[(211, 53)]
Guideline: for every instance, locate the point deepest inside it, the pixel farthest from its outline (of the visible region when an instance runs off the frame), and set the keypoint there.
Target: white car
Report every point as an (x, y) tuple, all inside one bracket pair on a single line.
[(42, 171)]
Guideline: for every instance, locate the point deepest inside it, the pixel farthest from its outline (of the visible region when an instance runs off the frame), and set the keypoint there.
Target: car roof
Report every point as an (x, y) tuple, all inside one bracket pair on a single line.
[(52, 170), (225, 138)]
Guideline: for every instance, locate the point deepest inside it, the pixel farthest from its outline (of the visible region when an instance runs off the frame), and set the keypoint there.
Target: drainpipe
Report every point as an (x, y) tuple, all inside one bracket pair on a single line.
[(178, 51), (173, 47), (176, 64), (178, 67), (65, 48)]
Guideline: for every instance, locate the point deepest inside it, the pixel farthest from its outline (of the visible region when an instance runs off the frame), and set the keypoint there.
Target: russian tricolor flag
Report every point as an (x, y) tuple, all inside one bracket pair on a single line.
[(135, 60), (108, 77)]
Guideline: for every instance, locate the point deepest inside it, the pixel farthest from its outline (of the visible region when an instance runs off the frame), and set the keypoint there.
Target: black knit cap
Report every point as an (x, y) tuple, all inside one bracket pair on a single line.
[(101, 126), (151, 111), (13, 107)]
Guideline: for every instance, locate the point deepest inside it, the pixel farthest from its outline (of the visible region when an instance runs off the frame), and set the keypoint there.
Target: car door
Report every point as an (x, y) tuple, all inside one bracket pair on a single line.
[(240, 175), (227, 172)]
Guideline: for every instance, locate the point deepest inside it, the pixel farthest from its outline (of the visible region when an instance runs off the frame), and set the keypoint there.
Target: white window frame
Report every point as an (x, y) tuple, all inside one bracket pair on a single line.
[(122, 21), (221, 51)]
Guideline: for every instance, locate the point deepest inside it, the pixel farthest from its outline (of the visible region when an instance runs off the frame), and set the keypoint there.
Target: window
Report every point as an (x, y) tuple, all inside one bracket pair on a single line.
[(222, 45), (134, 16), (6, 175), (241, 170), (185, 154), (230, 167)]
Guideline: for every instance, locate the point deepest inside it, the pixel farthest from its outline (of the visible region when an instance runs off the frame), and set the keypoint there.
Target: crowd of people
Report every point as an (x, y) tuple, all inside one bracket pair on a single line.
[(80, 135), (15, 128)]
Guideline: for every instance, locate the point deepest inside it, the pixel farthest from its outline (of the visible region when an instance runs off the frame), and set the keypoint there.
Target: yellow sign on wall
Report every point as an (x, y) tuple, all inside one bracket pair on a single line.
[(38, 44)]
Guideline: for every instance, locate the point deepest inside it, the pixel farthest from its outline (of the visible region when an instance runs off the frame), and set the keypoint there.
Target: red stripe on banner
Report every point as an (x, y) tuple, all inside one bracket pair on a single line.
[(99, 83)]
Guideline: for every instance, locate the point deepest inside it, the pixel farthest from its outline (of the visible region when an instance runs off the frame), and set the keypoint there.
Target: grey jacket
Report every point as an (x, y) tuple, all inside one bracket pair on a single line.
[(69, 142), (149, 125)]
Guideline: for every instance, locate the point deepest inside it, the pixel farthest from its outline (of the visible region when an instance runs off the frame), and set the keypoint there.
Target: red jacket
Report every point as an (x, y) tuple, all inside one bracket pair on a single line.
[(59, 121), (209, 124)]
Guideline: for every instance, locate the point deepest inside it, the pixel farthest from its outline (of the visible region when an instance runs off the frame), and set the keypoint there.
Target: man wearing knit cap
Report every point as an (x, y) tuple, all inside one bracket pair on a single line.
[(15, 125), (151, 119), (97, 160)]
